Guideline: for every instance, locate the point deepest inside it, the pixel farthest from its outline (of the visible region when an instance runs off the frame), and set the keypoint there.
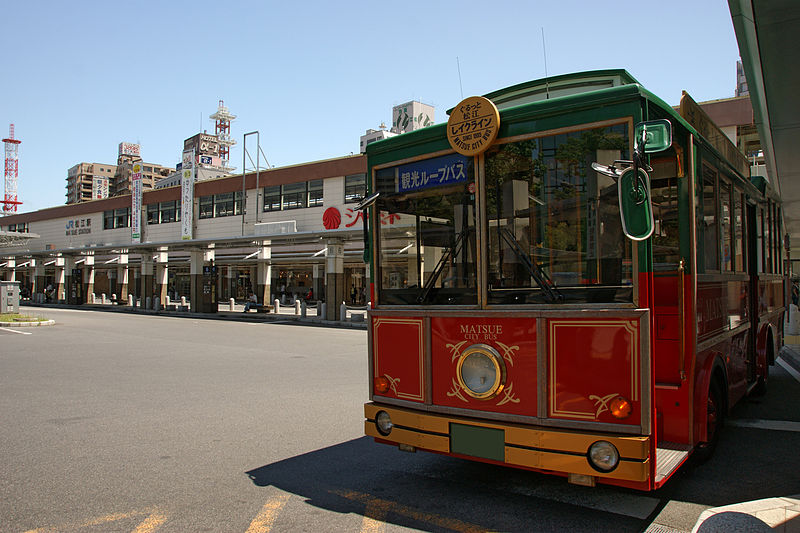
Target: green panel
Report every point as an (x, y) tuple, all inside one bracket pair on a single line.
[(475, 441)]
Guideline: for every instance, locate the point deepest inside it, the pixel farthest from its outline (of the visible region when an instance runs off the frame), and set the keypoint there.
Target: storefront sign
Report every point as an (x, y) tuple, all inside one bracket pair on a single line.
[(136, 203), (473, 125), (435, 172), (187, 194)]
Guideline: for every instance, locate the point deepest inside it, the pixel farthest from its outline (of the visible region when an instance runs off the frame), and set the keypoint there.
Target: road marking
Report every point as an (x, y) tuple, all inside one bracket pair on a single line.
[(155, 518), (378, 506), (262, 523), (775, 425), (151, 523), (375, 515), (11, 330), (789, 368)]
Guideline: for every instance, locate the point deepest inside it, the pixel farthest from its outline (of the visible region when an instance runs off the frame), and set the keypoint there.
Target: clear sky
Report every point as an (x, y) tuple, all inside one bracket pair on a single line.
[(80, 77)]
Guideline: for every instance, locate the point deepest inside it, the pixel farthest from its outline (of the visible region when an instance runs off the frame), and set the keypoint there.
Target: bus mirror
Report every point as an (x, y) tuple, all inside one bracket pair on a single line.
[(635, 206), (657, 135)]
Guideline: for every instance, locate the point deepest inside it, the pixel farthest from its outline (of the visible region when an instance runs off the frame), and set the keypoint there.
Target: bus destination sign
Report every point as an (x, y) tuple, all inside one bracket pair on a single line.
[(473, 125), (445, 170)]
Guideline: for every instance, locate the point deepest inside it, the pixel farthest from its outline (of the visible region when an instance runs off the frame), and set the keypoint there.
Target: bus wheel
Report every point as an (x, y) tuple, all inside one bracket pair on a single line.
[(715, 417)]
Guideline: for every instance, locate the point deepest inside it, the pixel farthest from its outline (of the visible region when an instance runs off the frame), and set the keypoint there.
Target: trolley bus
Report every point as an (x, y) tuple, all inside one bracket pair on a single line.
[(570, 277)]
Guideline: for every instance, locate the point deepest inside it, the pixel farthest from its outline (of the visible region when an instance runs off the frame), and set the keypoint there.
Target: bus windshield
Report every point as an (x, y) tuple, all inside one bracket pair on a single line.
[(553, 223), (427, 233)]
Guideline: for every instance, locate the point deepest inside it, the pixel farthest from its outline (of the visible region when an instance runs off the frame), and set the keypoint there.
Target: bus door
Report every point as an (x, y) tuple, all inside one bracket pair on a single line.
[(753, 254)]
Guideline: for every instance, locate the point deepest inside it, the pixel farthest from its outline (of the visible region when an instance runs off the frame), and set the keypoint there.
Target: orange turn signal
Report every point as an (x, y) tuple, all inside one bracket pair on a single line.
[(381, 384), (620, 407)]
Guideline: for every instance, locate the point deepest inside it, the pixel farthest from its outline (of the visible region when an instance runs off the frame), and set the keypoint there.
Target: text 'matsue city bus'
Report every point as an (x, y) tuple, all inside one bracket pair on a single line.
[(578, 280)]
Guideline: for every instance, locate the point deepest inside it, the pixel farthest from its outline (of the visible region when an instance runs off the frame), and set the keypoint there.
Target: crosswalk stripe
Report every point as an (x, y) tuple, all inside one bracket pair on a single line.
[(262, 523), (152, 522)]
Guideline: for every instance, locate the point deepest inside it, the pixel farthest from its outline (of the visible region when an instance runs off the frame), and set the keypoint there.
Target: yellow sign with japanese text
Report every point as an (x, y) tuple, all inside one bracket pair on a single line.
[(473, 125)]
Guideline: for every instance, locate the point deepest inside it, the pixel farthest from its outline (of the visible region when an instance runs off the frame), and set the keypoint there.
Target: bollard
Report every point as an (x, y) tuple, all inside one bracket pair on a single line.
[(183, 300), (113, 297), (343, 311), (166, 300), (156, 304), (94, 298), (303, 309), (276, 306), (319, 308), (103, 298), (297, 307), (231, 302), (148, 302), (324, 311), (131, 300)]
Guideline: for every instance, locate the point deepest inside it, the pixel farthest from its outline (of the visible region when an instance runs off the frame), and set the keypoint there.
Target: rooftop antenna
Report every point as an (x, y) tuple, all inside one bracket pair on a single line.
[(458, 63), (544, 53)]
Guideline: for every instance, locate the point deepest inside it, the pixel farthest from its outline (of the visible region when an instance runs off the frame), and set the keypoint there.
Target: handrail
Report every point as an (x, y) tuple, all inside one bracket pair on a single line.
[(681, 320)]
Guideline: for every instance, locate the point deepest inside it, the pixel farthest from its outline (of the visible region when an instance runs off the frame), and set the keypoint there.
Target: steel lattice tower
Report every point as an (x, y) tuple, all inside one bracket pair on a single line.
[(223, 131), (10, 201)]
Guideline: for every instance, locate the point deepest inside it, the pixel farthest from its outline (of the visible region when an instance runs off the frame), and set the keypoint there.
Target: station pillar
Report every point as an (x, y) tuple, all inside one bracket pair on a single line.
[(60, 279), (262, 287), (146, 277), (39, 284), (162, 276), (334, 279), (122, 278), (11, 265), (88, 278)]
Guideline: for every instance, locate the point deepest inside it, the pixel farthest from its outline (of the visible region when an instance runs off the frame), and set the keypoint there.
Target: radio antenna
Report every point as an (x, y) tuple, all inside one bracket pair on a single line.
[(544, 53), (458, 63)]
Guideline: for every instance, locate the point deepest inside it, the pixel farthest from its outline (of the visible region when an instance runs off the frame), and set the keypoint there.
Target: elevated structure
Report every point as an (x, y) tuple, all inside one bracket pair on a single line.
[(10, 201), (222, 130)]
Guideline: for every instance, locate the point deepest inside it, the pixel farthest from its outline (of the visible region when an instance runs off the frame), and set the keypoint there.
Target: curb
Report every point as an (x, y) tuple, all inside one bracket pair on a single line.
[(29, 324)]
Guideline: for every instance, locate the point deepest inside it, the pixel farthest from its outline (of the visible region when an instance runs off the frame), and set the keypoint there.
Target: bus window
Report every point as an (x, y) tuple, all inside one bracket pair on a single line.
[(709, 223), (664, 192), (760, 238), (768, 239), (426, 233), (553, 223), (726, 226), (739, 250)]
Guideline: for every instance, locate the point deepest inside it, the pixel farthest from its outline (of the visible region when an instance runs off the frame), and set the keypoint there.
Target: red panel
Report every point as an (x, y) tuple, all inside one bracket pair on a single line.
[(590, 362), (398, 355), (513, 338)]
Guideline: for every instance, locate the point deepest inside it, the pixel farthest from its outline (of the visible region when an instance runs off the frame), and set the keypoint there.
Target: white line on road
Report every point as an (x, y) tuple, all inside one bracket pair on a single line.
[(789, 368), (15, 331), (775, 425)]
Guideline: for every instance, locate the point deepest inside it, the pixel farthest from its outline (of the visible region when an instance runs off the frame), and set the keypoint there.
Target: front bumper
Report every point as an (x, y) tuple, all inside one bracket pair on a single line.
[(516, 445)]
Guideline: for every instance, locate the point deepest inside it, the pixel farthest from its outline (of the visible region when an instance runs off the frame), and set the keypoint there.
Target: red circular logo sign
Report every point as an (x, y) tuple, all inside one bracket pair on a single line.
[(331, 218)]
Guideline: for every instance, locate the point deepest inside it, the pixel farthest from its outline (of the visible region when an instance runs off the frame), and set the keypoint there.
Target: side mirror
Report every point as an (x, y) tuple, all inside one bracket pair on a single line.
[(657, 135), (635, 206)]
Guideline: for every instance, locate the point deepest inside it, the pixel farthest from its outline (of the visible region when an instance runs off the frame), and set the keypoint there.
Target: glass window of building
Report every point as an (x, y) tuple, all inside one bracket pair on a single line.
[(207, 206), (294, 195), (355, 188), (272, 198), (315, 193), (223, 204)]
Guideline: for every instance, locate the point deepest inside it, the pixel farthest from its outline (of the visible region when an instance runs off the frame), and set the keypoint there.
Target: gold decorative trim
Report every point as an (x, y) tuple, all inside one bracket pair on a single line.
[(627, 325), (602, 403), (456, 391), (377, 322)]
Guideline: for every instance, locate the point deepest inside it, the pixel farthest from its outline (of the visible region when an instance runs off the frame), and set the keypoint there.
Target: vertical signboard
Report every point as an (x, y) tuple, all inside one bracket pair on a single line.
[(136, 203), (187, 194), (99, 187)]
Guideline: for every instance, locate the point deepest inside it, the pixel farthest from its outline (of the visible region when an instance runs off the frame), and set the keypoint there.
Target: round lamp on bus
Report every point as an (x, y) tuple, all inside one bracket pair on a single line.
[(481, 371)]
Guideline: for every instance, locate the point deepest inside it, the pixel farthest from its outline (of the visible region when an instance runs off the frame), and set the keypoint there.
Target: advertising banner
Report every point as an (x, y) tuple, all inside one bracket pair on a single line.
[(188, 170), (99, 187), (136, 203)]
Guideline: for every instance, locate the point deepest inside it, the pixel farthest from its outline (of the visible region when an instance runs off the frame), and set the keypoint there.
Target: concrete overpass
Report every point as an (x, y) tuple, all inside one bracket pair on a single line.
[(767, 32)]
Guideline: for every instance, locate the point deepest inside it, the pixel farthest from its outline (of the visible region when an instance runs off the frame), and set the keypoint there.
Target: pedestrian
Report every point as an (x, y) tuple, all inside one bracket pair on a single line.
[(252, 302)]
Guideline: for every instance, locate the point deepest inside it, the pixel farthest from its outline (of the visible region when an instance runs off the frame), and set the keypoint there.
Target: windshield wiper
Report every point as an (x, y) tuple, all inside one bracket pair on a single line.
[(550, 292), (446, 255)]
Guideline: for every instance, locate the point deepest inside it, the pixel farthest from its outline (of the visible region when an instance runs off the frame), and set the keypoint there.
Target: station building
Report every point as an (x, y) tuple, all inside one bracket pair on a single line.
[(282, 233)]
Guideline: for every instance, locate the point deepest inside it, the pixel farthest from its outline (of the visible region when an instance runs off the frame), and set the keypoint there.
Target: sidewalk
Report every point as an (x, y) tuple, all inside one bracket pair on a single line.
[(356, 317), (770, 514)]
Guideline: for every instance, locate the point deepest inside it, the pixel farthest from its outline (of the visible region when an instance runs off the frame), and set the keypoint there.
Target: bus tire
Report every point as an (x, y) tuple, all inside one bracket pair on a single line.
[(715, 419), (761, 385)]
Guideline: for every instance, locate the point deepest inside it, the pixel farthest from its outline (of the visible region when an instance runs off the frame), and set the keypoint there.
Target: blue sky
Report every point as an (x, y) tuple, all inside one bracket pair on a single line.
[(81, 77)]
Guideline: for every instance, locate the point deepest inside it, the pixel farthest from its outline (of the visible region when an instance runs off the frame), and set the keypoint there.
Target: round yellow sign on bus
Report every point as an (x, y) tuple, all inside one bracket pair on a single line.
[(473, 125)]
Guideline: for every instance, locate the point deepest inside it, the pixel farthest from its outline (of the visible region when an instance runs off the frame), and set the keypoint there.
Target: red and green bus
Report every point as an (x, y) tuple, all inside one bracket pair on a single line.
[(571, 277)]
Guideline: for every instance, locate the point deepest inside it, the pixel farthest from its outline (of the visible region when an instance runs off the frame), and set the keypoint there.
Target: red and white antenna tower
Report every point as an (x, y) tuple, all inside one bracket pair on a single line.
[(10, 201), (223, 132)]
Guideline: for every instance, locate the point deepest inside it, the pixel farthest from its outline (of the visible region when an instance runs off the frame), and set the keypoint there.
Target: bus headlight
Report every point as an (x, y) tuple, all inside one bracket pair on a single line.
[(481, 371), (603, 456), (384, 423)]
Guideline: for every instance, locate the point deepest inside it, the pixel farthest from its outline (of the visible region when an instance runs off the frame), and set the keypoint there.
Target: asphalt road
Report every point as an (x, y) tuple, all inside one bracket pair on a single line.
[(136, 423)]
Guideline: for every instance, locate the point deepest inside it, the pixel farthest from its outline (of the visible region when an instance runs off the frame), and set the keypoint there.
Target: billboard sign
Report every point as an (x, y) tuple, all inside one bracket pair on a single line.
[(129, 149), (136, 203), (188, 171), (99, 187)]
